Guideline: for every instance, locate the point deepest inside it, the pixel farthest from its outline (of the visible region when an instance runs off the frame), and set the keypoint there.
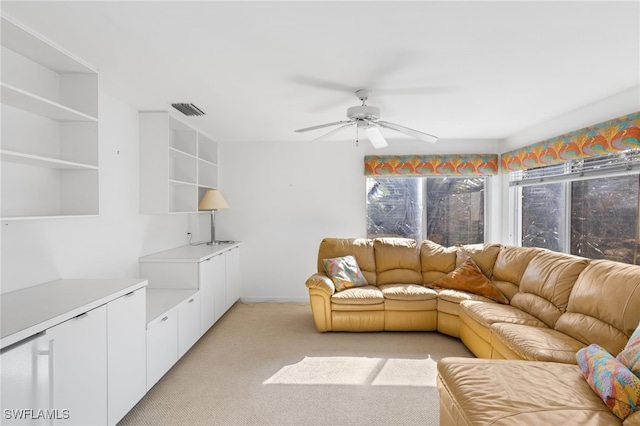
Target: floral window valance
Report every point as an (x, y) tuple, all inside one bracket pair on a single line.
[(609, 137), (431, 165)]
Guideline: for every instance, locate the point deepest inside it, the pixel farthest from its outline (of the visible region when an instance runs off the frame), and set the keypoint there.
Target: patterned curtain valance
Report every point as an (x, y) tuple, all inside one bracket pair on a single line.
[(611, 136), (431, 165)]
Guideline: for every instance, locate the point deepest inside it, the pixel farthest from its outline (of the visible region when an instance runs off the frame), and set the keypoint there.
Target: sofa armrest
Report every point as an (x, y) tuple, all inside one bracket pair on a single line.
[(322, 282)]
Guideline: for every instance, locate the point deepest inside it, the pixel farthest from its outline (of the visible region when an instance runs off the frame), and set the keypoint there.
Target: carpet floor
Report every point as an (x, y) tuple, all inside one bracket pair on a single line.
[(265, 364)]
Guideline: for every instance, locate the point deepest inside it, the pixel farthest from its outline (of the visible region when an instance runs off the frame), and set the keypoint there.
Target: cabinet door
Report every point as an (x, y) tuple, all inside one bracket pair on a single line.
[(188, 324), (162, 346), (233, 276), (26, 377), (212, 290), (127, 352), (80, 368)]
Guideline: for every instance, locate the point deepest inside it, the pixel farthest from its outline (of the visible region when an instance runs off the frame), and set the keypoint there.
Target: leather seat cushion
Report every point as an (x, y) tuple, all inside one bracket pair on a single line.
[(534, 343), (407, 292), (367, 295), (496, 392), (486, 314)]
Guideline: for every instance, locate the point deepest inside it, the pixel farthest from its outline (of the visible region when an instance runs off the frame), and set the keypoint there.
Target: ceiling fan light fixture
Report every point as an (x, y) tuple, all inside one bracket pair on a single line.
[(375, 136)]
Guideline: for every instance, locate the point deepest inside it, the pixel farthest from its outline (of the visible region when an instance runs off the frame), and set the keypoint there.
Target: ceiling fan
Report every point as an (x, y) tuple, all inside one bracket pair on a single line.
[(367, 118)]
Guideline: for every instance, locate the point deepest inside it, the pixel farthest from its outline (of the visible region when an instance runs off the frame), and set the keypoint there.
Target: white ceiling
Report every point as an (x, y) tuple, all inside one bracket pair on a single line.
[(479, 70)]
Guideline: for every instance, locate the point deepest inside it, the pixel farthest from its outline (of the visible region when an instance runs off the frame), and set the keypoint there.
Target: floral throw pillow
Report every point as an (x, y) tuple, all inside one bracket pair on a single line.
[(468, 277), (618, 387), (630, 355), (344, 272)]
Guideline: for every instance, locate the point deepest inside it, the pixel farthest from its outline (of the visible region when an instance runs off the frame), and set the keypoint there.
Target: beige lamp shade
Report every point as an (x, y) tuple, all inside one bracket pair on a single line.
[(212, 200)]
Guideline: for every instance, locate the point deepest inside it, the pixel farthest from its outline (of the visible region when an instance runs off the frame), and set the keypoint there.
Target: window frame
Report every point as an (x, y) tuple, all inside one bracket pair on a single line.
[(487, 184)]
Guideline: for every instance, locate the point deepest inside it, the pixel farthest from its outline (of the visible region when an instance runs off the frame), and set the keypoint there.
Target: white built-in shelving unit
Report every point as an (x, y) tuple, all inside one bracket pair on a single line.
[(49, 149), (177, 164)]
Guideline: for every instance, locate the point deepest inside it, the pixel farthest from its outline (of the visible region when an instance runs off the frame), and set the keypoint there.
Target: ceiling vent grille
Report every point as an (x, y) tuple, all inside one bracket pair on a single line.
[(188, 109)]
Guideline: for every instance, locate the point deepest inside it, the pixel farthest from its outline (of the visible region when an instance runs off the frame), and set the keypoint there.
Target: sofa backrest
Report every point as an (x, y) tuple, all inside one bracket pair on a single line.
[(360, 248), (484, 255), (546, 284), (604, 305), (509, 268), (397, 260), (436, 261)]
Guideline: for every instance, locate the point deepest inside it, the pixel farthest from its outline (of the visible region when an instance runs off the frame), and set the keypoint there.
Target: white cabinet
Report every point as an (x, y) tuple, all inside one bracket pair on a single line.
[(213, 270), (188, 324), (126, 345), (49, 147), (26, 375), (80, 367), (177, 164), (232, 278), (173, 326), (162, 346), (73, 350), (213, 289)]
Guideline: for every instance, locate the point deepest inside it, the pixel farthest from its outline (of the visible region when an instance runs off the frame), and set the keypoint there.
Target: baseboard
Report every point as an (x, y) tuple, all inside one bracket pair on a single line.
[(274, 299)]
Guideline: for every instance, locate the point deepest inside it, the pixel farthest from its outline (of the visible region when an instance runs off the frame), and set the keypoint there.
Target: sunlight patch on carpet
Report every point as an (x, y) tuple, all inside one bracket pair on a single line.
[(357, 371)]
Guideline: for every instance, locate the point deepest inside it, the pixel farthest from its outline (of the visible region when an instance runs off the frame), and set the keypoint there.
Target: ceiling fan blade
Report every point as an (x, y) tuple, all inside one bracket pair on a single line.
[(375, 136), (334, 131), (409, 132), (306, 129)]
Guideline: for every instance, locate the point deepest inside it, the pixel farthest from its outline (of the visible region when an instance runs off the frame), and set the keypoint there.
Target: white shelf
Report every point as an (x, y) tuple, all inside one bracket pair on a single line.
[(26, 42), (39, 161), (191, 164), (49, 144), (40, 106)]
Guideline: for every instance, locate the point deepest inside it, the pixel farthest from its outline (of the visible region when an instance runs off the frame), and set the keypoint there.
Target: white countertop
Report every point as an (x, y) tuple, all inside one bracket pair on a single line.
[(160, 300), (189, 253), (31, 310)]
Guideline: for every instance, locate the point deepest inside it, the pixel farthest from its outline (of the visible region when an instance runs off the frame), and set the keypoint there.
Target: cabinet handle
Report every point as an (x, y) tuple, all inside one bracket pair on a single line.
[(190, 301), (129, 294), (86, 314), (164, 319)]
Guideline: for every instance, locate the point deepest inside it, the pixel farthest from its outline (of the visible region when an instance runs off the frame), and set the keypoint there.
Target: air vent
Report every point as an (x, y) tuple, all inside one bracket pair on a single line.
[(188, 109)]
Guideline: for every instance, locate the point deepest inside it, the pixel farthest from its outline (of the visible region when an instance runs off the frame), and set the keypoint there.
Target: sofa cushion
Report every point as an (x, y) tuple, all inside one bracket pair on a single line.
[(344, 272), (546, 285), (397, 261), (519, 341), (603, 305), (618, 387), (630, 355), (488, 313), (407, 292), (506, 392), (484, 255), (436, 261), (367, 295), (360, 248), (468, 277), (510, 266)]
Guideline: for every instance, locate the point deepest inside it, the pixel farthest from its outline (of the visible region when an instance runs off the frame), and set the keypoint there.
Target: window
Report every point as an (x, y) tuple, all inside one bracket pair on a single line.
[(446, 210), (590, 208)]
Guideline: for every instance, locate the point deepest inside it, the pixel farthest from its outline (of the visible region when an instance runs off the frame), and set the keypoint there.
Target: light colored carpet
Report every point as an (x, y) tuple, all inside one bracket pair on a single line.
[(265, 364)]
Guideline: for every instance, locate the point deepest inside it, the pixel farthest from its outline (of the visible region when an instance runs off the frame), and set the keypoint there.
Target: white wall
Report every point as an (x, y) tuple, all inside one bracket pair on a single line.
[(286, 197), (609, 108), (108, 246)]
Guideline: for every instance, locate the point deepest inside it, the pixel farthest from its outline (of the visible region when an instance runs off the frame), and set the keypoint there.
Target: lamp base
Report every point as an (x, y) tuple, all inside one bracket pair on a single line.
[(214, 243)]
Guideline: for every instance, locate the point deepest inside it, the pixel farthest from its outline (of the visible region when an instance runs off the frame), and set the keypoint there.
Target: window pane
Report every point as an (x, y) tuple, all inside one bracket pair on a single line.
[(455, 210), (394, 207), (604, 218), (543, 216)]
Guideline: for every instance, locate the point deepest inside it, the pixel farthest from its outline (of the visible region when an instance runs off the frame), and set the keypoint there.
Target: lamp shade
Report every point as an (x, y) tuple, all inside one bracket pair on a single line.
[(212, 200)]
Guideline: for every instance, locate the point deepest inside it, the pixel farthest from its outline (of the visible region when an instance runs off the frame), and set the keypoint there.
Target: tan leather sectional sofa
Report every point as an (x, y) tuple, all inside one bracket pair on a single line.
[(558, 304)]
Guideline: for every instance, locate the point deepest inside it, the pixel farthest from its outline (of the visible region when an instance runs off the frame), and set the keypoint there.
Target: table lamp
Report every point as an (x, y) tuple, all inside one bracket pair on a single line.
[(212, 200)]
